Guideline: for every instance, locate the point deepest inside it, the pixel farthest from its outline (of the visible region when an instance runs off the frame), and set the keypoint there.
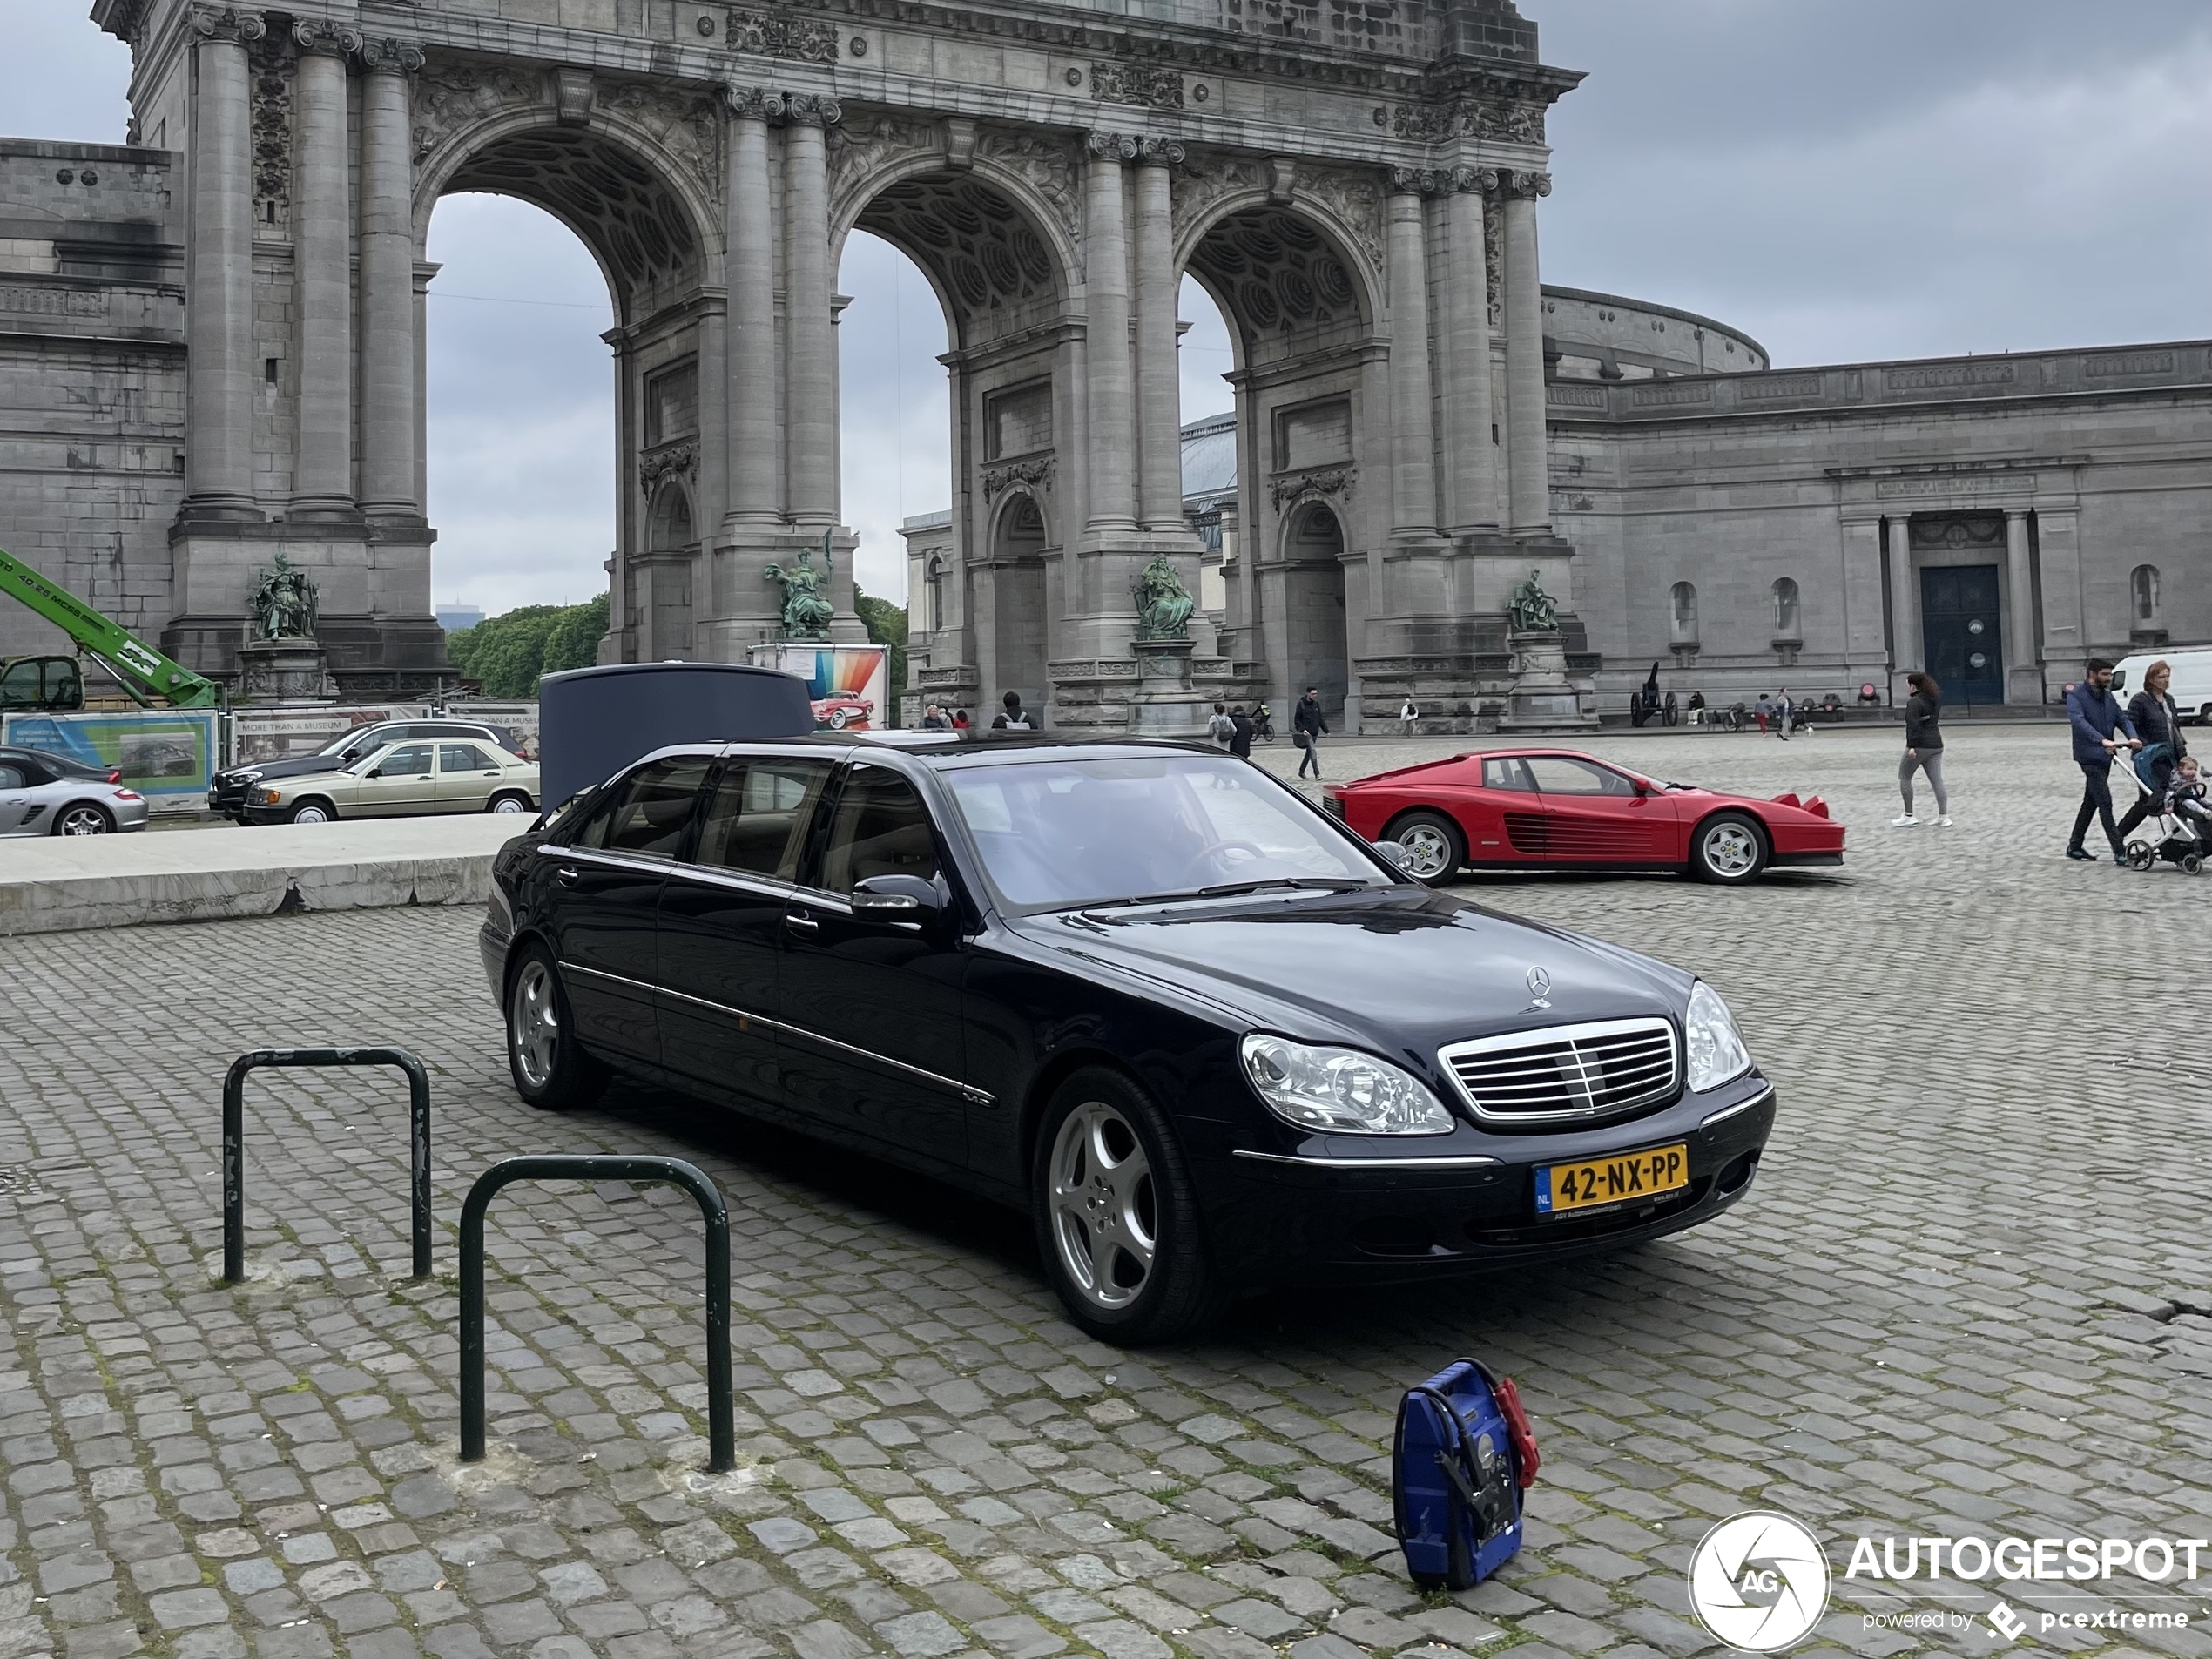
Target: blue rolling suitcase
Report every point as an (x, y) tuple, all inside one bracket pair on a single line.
[(1463, 1453)]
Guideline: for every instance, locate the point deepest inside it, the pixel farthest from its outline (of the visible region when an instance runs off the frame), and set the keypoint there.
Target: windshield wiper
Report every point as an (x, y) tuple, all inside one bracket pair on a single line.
[(1329, 883)]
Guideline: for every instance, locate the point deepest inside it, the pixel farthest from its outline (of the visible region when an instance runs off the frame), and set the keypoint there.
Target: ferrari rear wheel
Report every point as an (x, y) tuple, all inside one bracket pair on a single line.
[(1435, 850), (1728, 848)]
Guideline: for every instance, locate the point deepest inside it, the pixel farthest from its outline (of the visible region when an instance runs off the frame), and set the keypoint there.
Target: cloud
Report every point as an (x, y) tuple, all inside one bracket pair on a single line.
[(1873, 180)]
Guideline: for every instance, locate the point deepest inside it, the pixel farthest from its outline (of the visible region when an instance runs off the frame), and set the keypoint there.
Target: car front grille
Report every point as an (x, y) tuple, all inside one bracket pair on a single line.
[(1568, 1075)]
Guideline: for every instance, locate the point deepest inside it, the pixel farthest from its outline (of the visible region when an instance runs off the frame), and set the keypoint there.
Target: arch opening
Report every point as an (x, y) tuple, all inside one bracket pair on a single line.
[(1282, 280), (520, 429), (1315, 628)]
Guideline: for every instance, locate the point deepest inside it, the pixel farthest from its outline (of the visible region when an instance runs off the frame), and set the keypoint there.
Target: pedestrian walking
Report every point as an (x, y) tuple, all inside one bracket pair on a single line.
[(1785, 708), (1409, 719), (2157, 724), (1219, 727), (1241, 731), (1307, 729), (1923, 749), (2100, 729), (1763, 711), (1018, 718), (961, 720)]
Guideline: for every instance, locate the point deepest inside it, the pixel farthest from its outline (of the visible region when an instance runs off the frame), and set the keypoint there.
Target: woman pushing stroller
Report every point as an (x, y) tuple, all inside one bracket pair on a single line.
[(2158, 723)]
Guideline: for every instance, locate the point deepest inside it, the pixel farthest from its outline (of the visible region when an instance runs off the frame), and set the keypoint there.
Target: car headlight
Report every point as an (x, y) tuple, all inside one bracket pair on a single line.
[(1340, 1089), (246, 776), (1716, 1050), (268, 797)]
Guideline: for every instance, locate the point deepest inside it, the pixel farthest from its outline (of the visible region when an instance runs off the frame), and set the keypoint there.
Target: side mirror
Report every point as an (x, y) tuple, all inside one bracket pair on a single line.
[(1390, 853), (896, 898), (375, 771)]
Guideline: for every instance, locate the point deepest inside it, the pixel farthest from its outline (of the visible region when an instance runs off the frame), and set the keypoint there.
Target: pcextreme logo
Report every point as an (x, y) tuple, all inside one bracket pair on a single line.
[(1759, 1581)]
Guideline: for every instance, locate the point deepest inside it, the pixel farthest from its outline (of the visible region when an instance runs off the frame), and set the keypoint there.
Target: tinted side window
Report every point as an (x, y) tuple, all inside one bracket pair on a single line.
[(10, 778), (463, 756), (1556, 775), (757, 821), (881, 828), (652, 816)]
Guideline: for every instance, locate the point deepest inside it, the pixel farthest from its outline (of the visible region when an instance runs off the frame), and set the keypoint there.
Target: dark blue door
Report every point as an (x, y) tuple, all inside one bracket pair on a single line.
[(1958, 632)]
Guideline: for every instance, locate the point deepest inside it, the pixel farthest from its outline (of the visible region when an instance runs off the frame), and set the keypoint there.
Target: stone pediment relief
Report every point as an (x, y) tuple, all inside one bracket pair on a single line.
[(1036, 473), (684, 126), (1312, 482), (783, 34)]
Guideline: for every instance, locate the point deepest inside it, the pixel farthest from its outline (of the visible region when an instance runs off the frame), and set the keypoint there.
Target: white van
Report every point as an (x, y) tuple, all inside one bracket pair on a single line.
[(2192, 687)]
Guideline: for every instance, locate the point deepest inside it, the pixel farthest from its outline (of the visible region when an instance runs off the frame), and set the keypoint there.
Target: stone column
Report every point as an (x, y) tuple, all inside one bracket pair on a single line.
[(1905, 609), (2023, 655), (323, 258), (1472, 474), (1106, 332), (388, 309), (1413, 444), (218, 319), (1529, 484), (750, 266), (810, 356), (1159, 395)]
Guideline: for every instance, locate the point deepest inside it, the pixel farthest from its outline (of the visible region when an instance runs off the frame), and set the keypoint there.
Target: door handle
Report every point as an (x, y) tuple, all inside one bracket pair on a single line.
[(566, 877), (800, 919)]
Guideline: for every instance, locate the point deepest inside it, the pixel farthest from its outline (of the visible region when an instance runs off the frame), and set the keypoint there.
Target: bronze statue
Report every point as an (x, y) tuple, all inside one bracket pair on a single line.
[(1163, 605), (284, 604), (1530, 609), (806, 605)]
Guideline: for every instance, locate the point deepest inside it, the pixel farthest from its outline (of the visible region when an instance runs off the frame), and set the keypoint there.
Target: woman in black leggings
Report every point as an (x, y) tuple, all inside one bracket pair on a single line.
[(1923, 749)]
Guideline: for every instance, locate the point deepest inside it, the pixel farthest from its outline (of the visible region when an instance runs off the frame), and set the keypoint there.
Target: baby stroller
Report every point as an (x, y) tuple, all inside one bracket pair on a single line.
[(2167, 834)]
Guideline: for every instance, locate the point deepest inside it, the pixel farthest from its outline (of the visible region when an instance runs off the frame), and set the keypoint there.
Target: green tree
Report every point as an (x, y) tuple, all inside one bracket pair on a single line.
[(887, 625), (574, 640), (507, 653)]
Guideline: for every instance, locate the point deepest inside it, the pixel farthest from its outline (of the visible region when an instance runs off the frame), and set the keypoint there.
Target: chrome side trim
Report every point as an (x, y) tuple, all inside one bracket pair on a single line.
[(640, 862), (980, 1096), (707, 875), (1472, 1161), (1727, 1112)]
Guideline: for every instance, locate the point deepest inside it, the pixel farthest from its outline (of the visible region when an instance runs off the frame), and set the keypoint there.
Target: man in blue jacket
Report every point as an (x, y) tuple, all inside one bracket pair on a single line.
[(2100, 727)]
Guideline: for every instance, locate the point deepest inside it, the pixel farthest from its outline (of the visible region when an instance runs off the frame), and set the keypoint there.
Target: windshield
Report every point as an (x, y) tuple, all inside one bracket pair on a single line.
[(354, 740), (1058, 834)]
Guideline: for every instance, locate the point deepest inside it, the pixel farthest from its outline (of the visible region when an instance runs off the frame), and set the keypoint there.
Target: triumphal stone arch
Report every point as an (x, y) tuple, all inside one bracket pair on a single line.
[(1356, 186)]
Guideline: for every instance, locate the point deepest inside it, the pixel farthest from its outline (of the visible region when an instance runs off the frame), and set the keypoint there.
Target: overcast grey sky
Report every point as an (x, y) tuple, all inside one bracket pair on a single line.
[(1844, 179)]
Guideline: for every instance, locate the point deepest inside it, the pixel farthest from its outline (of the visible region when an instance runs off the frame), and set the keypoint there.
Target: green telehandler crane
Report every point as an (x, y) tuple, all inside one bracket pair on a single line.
[(53, 683)]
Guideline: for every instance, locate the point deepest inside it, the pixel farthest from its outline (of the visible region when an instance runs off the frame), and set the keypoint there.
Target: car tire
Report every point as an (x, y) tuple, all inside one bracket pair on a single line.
[(83, 818), (1728, 849), (1436, 849), (1117, 1214), (838, 717), (511, 802), (314, 811), (550, 1070)]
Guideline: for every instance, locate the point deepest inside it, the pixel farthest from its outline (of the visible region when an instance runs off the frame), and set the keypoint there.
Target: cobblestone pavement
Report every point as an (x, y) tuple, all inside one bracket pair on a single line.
[(1970, 1296)]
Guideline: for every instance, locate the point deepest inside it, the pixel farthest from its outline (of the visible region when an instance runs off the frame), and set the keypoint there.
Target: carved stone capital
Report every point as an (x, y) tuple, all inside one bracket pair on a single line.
[(227, 23), (1111, 146), (812, 110), (325, 40), (388, 55), (1479, 181), (752, 102), (1524, 186), (1415, 181), (1158, 152)]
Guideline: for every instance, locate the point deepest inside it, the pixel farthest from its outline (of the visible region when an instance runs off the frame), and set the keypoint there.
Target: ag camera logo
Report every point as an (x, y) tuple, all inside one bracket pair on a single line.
[(1759, 1581)]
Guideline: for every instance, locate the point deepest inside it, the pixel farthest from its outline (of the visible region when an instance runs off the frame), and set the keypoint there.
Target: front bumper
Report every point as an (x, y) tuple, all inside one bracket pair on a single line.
[(1372, 1215)]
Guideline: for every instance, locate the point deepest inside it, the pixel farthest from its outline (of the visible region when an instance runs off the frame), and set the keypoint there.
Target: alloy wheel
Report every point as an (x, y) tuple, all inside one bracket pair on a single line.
[(1731, 850), (1105, 1214), (83, 821), (1427, 853), (534, 1024)]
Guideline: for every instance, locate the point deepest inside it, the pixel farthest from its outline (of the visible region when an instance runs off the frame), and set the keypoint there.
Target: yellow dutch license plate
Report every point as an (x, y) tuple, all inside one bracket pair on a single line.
[(1627, 1177)]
